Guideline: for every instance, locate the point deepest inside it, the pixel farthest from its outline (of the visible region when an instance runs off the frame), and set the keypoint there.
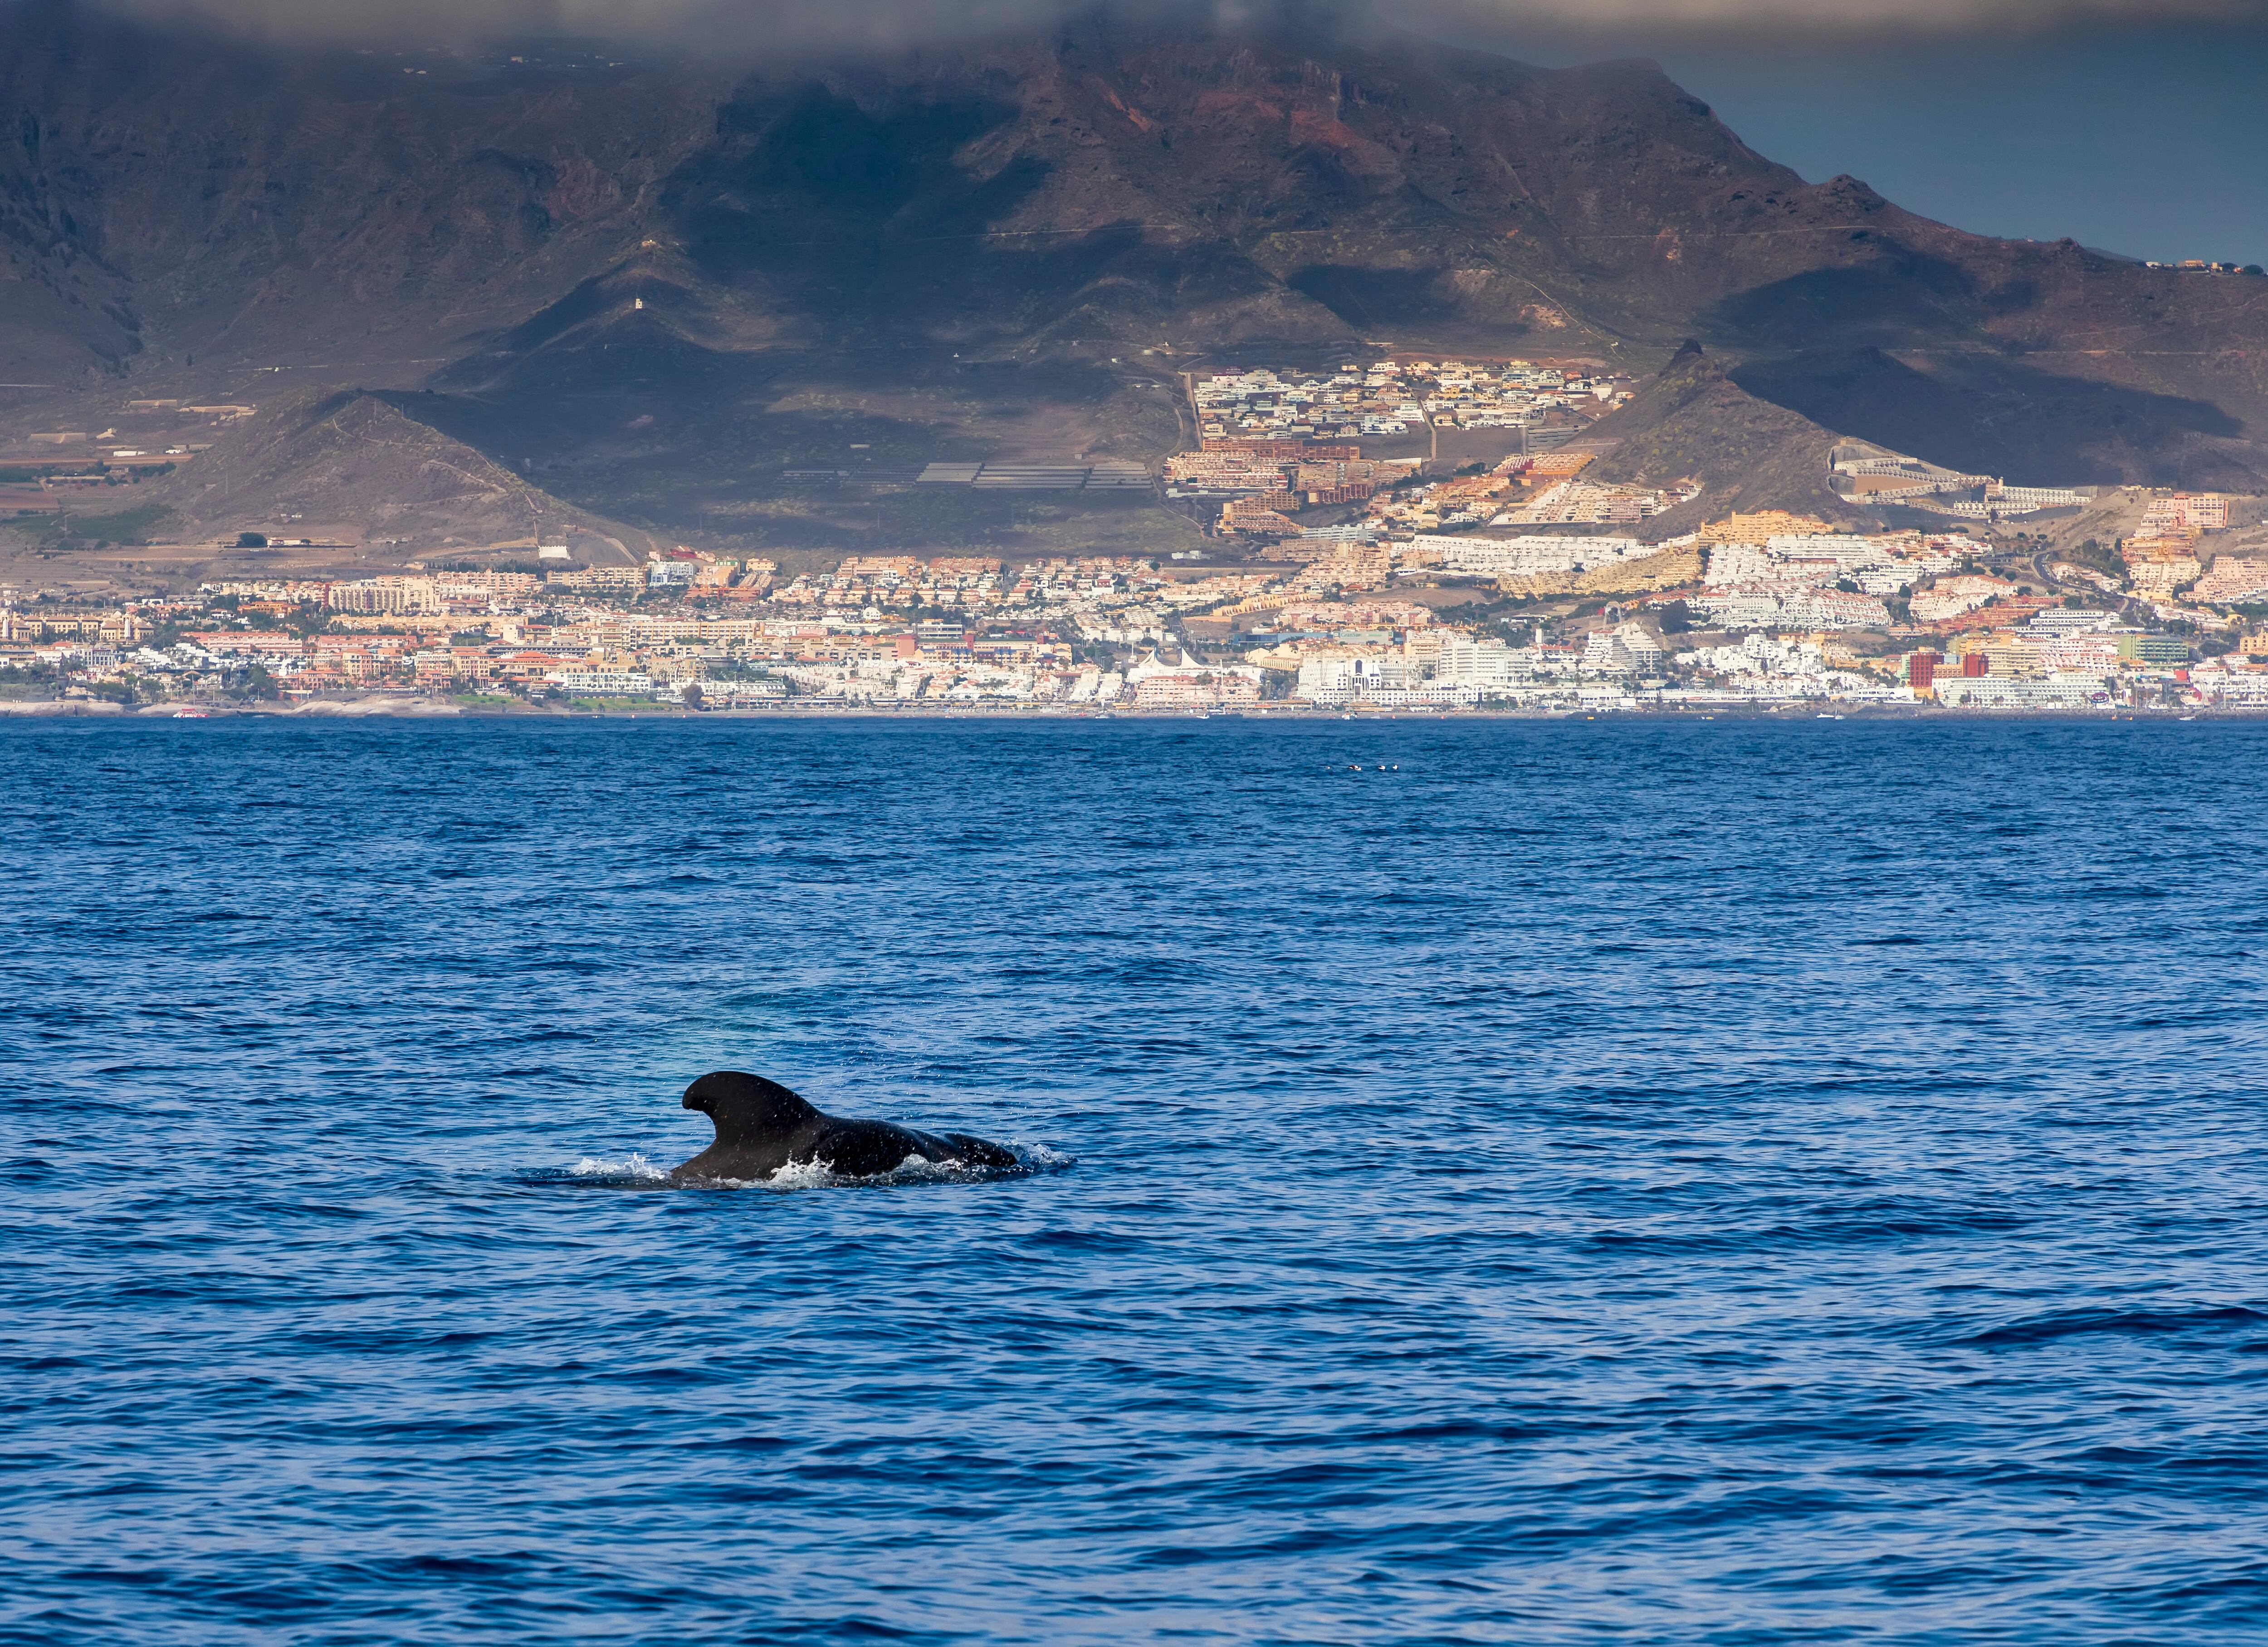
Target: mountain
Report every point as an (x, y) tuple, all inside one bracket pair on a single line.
[(652, 287), (1694, 420), (354, 465)]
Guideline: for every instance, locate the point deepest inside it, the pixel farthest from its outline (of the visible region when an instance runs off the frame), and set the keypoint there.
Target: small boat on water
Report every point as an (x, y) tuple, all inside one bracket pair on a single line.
[(191, 714)]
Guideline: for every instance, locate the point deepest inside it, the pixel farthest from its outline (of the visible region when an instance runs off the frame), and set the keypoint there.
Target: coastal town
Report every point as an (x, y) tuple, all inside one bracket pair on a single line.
[(1349, 566)]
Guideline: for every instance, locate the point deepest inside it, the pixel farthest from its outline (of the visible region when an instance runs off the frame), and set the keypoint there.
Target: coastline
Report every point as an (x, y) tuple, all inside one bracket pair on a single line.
[(428, 709)]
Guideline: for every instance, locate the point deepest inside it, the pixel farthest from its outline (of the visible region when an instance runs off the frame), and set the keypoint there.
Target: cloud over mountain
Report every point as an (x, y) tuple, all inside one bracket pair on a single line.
[(788, 24)]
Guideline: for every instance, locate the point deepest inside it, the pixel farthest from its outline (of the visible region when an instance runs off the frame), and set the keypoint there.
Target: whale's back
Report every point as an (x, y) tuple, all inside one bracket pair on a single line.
[(761, 1127)]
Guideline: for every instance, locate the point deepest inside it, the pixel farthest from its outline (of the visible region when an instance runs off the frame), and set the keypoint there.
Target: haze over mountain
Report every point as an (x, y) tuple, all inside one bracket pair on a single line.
[(637, 282)]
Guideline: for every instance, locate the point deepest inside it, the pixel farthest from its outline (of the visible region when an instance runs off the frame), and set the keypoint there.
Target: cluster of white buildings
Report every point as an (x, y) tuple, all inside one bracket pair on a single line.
[(1778, 668), (1531, 555), (1808, 580), (880, 681), (1785, 606), (1877, 476), (974, 585), (1579, 502), (1514, 393), (1623, 667), (1394, 397), (1821, 581)]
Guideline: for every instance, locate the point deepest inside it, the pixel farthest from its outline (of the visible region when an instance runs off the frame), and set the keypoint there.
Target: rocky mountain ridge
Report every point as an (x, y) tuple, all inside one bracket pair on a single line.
[(643, 282)]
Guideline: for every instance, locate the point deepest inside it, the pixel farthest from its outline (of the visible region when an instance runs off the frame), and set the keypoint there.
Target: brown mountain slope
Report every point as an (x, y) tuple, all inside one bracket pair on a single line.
[(257, 208), (1694, 420), (352, 465), (183, 216), (2011, 414)]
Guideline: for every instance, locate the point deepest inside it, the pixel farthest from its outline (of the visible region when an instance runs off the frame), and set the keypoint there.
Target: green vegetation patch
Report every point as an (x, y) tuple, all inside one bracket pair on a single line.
[(2093, 555), (27, 684)]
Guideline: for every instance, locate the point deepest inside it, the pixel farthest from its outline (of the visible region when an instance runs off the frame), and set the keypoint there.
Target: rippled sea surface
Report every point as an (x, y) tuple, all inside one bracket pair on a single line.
[(1589, 1182)]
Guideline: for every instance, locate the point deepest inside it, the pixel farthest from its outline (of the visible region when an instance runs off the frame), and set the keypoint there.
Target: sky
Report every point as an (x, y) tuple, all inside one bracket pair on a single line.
[(2134, 126), (2139, 129), (2149, 143)]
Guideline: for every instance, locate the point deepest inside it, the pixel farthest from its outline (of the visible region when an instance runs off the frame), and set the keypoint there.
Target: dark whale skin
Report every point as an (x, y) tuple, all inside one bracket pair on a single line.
[(761, 1127)]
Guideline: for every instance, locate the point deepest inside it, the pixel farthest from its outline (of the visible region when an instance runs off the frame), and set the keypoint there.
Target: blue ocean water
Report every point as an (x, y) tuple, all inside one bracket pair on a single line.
[(1586, 1182)]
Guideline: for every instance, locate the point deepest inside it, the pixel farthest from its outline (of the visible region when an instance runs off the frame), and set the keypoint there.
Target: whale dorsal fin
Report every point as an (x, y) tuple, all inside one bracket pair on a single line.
[(749, 1109)]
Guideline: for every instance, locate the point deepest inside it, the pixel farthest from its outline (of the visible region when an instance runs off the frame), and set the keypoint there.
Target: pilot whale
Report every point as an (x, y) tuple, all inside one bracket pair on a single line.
[(761, 1127)]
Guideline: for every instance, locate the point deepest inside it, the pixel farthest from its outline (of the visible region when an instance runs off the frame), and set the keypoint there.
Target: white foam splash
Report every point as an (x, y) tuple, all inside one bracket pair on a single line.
[(915, 1169), (802, 1175), (633, 1166), (813, 1175)]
